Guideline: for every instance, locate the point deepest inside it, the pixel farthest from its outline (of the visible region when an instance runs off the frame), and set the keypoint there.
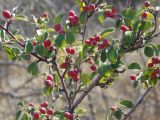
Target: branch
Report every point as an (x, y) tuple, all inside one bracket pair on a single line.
[(139, 101)]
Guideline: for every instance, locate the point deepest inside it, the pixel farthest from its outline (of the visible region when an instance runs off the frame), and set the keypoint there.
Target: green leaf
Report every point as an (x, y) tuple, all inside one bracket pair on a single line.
[(148, 51), (47, 91), (25, 116), (82, 17), (118, 114), (127, 103), (28, 48), (58, 19), (9, 52), (18, 114), (60, 41), (103, 55), (134, 66), (42, 34), (129, 13), (105, 70), (2, 35), (112, 55), (85, 79), (33, 68), (70, 37), (59, 115), (21, 103), (16, 51), (80, 111), (40, 50), (128, 38), (107, 32), (101, 18), (146, 25), (25, 57), (21, 18)]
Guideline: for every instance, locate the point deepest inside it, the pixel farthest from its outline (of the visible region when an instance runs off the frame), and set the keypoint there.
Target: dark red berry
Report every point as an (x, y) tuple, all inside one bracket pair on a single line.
[(34, 43), (71, 13), (42, 110), (57, 27), (147, 3), (45, 14), (93, 68), (106, 42), (144, 15), (6, 14), (91, 7), (36, 115), (97, 38), (124, 28), (88, 42), (45, 104), (72, 51), (63, 65), (133, 77), (50, 77), (150, 65), (155, 60), (47, 43), (68, 115), (48, 83), (108, 13), (50, 111), (85, 8)]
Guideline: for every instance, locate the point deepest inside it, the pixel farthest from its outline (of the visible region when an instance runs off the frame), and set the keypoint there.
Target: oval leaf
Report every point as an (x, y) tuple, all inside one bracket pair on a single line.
[(127, 103), (134, 66)]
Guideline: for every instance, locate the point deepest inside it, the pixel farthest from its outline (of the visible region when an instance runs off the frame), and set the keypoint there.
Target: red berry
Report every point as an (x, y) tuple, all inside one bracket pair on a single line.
[(124, 28), (92, 39), (48, 83), (155, 60), (91, 61), (106, 42), (154, 73), (57, 27), (42, 110), (114, 9), (72, 51), (113, 15), (76, 78), (147, 3), (144, 15), (68, 115), (97, 38), (6, 14), (88, 42), (85, 8), (108, 13), (150, 65), (68, 50), (92, 7), (133, 77), (34, 43), (50, 77), (36, 115), (45, 14), (45, 104), (73, 20), (101, 46), (71, 13), (93, 68), (50, 111), (47, 43), (63, 65)]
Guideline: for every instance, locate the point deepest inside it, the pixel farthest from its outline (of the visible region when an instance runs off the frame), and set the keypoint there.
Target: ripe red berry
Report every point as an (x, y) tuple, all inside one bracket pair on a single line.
[(71, 13), (133, 77), (73, 20), (68, 115), (101, 46), (150, 64), (85, 8), (124, 28), (144, 15), (50, 77), (63, 65), (45, 14), (72, 51), (154, 73), (147, 3), (36, 115), (48, 83), (91, 7), (155, 60), (108, 13), (47, 43), (114, 9), (93, 68), (50, 111), (6, 14), (68, 50), (57, 27), (45, 104), (76, 78), (34, 43), (106, 42), (97, 38), (88, 42), (42, 110)]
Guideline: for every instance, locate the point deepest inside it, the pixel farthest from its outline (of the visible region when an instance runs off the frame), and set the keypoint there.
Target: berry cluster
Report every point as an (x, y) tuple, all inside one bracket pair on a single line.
[(154, 61), (74, 75), (44, 110), (73, 18), (111, 13), (49, 81), (89, 8), (70, 50)]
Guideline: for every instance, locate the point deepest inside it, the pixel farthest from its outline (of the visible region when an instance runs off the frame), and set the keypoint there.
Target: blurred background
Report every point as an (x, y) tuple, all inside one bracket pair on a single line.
[(16, 84)]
